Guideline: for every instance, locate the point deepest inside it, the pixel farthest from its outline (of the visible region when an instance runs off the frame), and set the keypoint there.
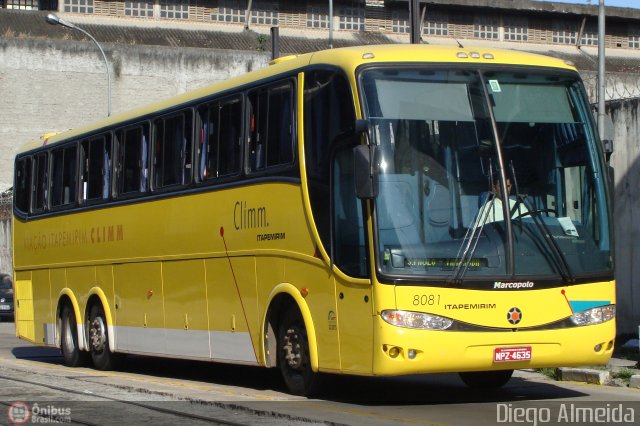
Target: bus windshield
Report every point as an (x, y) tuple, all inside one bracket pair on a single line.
[(451, 142)]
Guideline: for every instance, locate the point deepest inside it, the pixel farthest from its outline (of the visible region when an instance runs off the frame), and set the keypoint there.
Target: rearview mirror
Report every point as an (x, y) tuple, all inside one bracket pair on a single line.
[(366, 171)]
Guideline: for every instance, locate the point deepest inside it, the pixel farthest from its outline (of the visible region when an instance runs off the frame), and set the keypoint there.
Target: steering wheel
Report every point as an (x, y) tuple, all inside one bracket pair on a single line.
[(536, 211)]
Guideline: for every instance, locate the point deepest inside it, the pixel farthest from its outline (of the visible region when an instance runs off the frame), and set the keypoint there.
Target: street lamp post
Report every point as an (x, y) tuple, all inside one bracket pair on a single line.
[(55, 20)]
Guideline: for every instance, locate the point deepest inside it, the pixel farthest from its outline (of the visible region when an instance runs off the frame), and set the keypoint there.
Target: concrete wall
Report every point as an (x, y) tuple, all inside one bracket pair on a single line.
[(626, 163), (49, 85)]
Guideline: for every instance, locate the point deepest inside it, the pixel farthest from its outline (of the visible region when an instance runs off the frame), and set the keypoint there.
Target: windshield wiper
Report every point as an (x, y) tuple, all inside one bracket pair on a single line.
[(462, 265), (561, 260)]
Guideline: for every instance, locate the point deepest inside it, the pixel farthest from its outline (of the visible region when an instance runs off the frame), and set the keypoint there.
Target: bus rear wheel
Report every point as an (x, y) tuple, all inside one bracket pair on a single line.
[(293, 355), (101, 355), (486, 379), (73, 356)]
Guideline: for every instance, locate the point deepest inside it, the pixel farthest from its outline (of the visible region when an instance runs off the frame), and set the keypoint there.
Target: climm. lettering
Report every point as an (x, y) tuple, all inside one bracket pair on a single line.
[(106, 234), (245, 217)]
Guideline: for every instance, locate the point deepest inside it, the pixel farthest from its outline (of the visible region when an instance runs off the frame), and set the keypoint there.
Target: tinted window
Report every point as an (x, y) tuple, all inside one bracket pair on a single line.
[(64, 171), (23, 184), (96, 168), (133, 148), (220, 138), (329, 118), (172, 151), (40, 182), (271, 126)]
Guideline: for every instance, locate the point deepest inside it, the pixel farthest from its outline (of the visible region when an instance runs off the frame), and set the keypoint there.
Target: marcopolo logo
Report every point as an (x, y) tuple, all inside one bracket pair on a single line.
[(514, 316), (513, 285)]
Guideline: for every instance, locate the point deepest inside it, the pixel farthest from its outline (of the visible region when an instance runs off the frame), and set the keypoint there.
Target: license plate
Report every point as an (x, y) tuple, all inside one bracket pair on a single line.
[(5, 307), (521, 353)]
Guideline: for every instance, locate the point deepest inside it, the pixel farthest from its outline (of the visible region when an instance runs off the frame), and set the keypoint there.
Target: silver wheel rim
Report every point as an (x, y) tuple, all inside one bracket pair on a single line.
[(97, 334), (292, 348)]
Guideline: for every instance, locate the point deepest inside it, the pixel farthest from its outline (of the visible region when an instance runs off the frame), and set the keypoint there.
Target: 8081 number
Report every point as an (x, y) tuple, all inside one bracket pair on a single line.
[(426, 299)]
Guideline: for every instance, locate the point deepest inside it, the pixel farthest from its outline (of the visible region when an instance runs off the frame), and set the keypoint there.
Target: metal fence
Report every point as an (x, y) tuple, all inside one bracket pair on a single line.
[(618, 85)]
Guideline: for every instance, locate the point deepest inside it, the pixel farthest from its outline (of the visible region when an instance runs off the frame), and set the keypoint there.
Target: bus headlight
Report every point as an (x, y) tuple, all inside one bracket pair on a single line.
[(419, 320), (594, 316)]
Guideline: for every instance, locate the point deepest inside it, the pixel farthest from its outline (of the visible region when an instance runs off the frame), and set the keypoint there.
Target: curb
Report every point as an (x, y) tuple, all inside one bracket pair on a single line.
[(634, 382), (587, 375)]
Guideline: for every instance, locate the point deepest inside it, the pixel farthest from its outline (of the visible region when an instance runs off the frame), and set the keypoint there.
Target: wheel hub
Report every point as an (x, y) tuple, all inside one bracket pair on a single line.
[(97, 334), (292, 349)]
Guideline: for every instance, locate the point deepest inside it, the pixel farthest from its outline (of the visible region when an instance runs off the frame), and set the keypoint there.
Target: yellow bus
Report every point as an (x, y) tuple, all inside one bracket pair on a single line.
[(340, 212)]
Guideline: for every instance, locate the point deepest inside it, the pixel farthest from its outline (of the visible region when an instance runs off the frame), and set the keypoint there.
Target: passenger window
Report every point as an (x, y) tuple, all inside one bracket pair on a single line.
[(96, 168), (220, 138), (172, 151), (64, 171), (23, 184), (40, 182), (133, 168), (271, 126)]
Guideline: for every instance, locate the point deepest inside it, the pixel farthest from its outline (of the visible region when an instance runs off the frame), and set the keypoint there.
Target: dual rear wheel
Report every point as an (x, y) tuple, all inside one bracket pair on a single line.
[(98, 340)]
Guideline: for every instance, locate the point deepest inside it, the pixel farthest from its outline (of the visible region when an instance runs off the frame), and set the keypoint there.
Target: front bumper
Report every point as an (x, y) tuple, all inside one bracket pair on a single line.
[(456, 351)]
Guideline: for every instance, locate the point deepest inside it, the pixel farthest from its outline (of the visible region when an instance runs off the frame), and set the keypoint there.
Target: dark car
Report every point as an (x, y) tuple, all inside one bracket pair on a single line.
[(6, 298)]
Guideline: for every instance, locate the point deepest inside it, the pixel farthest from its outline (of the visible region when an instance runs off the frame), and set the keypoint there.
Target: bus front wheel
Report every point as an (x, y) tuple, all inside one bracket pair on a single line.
[(293, 355), (101, 355), (486, 379), (73, 356)]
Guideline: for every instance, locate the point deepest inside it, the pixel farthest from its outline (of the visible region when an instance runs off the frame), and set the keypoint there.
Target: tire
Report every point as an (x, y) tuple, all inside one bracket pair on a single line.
[(73, 356), (486, 379), (98, 333), (293, 355)]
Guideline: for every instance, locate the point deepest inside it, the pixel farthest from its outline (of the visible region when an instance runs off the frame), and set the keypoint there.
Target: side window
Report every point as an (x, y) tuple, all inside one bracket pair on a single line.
[(172, 151), (348, 223), (22, 190), (64, 172), (40, 182), (95, 177), (133, 157), (220, 138), (271, 128), (329, 118)]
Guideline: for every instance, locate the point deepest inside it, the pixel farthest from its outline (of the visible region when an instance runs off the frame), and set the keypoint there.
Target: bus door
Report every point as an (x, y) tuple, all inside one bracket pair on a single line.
[(354, 301)]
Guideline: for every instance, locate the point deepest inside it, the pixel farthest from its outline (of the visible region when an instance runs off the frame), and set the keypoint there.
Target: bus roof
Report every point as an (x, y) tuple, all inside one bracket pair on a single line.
[(348, 58)]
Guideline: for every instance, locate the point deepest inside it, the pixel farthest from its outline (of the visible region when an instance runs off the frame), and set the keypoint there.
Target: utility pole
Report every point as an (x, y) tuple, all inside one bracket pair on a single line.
[(330, 24), (601, 70), (414, 17)]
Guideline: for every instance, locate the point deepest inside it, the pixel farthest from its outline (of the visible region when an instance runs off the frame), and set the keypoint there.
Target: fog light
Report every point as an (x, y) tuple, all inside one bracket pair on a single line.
[(597, 347), (394, 352), (411, 353), (610, 345)]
